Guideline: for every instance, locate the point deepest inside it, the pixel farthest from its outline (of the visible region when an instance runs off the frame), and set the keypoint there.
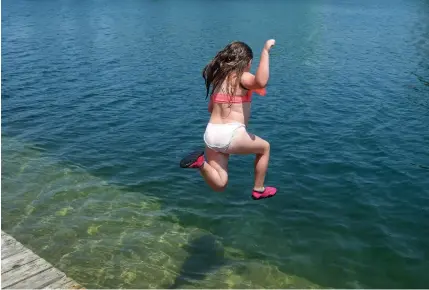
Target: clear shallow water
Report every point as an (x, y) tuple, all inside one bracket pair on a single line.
[(101, 99)]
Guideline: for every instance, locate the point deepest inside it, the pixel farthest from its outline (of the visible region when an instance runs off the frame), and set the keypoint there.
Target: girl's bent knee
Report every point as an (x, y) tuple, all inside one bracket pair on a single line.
[(267, 146), (220, 187)]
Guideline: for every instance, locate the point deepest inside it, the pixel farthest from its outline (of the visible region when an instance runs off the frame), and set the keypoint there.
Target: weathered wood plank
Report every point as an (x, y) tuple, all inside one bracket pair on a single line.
[(9, 246), (26, 271), (64, 283), (23, 269), (7, 240), (15, 261), (7, 252), (40, 280)]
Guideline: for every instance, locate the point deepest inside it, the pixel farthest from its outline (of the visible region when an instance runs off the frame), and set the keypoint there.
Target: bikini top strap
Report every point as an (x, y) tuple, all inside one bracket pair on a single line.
[(249, 92)]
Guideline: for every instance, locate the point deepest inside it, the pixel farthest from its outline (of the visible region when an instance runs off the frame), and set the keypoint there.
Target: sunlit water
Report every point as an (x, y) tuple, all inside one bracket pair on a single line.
[(101, 99)]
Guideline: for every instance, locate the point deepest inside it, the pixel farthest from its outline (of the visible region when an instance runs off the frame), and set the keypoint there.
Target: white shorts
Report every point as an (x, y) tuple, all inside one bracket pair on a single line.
[(218, 137)]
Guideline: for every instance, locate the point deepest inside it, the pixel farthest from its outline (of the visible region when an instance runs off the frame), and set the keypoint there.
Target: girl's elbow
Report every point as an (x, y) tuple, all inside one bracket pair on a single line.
[(261, 83)]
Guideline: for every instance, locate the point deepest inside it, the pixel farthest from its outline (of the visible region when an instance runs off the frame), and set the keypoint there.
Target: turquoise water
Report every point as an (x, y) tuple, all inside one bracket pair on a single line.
[(101, 100)]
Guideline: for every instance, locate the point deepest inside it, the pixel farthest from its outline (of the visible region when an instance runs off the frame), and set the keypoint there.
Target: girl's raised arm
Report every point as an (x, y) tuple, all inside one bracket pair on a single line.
[(260, 79)]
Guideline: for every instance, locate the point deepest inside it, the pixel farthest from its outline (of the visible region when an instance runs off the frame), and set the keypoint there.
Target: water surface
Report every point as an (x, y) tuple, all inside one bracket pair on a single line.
[(101, 99)]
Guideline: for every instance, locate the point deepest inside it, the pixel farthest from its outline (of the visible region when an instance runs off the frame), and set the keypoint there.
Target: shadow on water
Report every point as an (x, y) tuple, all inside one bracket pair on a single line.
[(205, 255), (421, 79)]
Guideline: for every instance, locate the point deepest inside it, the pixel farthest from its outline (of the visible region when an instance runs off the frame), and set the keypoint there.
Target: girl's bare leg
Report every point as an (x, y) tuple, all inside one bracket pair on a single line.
[(246, 143), (214, 170)]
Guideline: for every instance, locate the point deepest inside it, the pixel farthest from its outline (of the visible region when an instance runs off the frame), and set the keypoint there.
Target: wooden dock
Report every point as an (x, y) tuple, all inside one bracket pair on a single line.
[(23, 269)]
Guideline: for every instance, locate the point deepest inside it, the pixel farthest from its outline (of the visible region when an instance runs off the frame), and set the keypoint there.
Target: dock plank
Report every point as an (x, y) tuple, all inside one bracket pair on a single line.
[(21, 258), (9, 246), (39, 281), (26, 271), (6, 253), (63, 283), (23, 269)]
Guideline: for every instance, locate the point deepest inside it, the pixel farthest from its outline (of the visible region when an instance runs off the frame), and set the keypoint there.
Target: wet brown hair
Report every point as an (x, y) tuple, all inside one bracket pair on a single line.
[(230, 61)]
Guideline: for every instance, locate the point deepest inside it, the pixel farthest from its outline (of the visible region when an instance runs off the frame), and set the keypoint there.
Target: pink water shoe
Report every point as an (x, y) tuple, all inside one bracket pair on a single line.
[(193, 160), (266, 193)]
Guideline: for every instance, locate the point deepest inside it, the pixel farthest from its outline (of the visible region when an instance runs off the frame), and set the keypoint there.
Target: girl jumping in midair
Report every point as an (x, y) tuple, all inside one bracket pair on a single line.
[(228, 73)]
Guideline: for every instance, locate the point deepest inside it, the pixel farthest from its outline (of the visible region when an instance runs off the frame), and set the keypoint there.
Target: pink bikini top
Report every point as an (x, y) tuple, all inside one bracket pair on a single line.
[(225, 98)]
